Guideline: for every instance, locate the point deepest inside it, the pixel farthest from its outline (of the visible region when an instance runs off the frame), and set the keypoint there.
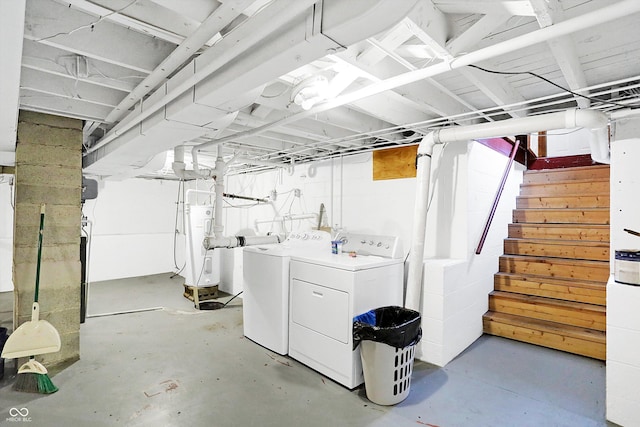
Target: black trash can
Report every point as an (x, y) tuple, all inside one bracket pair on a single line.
[(387, 337)]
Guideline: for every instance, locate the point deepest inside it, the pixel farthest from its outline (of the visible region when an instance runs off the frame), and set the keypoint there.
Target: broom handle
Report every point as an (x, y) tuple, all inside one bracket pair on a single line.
[(35, 297)]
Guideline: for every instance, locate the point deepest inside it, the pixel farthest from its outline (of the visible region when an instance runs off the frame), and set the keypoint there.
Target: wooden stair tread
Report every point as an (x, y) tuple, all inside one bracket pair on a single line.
[(561, 216), (583, 291), (567, 338), (586, 232), (537, 300), (565, 201), (594, 226), (557, 261), (591, 316), (595, 209), (567, 174), (560, 170), (586, 284), (580, 269), (547, 326), (559, 242), (568, 181), (597, 251)]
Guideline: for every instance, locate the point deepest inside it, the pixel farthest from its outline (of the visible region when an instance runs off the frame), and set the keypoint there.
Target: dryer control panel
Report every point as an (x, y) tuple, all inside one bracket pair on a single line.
[(371, 244)]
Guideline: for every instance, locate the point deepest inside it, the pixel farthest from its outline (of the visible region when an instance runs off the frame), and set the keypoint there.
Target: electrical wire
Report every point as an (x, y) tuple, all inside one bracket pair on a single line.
[(90, 24), (559, 134), (232, 298), (247, 206), (204, 261), (176, 231), (530, 73)]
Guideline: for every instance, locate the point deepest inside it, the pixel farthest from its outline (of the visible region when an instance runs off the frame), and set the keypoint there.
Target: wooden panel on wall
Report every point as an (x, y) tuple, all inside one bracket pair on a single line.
[(395, 163)]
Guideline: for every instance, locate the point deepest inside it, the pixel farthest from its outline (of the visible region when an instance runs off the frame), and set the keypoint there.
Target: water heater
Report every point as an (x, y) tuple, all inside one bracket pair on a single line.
[(203, 266)]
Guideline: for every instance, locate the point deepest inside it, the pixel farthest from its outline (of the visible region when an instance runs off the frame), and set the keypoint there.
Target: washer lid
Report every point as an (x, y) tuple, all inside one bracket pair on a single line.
[(344, 261)]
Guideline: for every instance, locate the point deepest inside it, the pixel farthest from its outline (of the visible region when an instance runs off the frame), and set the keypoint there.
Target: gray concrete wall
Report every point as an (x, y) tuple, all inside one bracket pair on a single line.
[(49, 170)]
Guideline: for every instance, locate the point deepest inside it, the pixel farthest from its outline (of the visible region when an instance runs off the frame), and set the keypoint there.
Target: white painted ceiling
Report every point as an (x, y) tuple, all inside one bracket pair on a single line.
[(148, 75)]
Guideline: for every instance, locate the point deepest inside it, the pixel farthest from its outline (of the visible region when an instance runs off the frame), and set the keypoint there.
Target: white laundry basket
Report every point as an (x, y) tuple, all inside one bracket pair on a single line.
[(387, 371)]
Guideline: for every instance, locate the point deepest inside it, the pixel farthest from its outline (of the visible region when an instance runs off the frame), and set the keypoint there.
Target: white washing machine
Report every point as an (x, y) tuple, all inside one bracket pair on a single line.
[(328, 290), (265, 301)]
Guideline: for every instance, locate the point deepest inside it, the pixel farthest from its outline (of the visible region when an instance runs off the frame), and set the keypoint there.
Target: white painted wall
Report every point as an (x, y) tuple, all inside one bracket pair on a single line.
[(623, 316), (456, 280), (133, 227), (6, 234), (465, 177), (564, 142), (353, 200)]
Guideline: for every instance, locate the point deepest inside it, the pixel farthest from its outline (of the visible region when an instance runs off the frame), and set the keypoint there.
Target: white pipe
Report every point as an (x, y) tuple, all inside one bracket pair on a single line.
[(564, 120), (250, 161), (201, 173), (221, 167), (608, 13), (179, 167), (238, 241)]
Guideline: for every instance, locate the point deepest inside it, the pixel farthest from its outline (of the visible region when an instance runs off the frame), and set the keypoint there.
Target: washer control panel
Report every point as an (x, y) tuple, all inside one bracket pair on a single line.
[(316, 237), (370, 244)]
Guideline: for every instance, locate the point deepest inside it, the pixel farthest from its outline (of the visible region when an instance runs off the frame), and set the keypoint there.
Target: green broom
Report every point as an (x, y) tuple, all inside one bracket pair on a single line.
[(31, 338), (33, 378)]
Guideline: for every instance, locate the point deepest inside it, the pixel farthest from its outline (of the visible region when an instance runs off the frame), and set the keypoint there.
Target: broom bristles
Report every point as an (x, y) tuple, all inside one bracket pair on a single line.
[(34, 383), (32, 378)]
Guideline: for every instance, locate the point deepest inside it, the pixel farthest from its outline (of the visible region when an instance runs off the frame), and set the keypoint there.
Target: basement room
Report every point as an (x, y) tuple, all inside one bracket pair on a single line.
[(320, 212)]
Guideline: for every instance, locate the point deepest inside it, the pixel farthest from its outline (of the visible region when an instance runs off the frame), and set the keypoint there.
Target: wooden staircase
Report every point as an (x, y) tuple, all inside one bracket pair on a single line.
[(551, 287)]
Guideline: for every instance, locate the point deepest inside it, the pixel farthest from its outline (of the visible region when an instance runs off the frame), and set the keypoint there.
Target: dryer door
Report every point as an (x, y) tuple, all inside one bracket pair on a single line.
[(321, 309)]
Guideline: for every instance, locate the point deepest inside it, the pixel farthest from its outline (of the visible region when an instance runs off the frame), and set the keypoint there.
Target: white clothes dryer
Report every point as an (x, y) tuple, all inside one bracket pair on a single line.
[(329, 290)]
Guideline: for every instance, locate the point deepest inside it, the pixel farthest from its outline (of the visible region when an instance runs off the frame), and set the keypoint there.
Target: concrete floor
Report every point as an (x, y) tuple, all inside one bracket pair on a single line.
[(182, 367)]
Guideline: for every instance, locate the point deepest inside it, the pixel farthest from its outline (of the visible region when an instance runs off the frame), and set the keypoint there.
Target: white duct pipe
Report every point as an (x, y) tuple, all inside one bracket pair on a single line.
[(564, 120), (599, 146)]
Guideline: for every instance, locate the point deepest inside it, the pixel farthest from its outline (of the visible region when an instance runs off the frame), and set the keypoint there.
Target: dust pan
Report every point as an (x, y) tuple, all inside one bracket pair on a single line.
[(35, 336), (32, 338)]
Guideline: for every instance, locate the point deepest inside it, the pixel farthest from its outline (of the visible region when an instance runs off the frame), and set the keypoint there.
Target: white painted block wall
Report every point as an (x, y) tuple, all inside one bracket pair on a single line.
[(133, 227), (456, 280), (623, 301), (352, 199)]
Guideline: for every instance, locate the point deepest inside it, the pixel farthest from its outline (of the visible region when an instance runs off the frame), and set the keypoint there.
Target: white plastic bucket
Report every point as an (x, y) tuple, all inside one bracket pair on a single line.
[(387, 371)]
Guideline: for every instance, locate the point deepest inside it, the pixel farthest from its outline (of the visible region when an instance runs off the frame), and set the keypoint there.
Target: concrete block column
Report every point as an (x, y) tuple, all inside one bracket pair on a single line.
[(49, 170)]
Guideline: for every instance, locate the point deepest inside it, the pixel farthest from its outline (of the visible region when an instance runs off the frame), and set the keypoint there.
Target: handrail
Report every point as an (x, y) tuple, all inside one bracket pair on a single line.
[(496, 200)]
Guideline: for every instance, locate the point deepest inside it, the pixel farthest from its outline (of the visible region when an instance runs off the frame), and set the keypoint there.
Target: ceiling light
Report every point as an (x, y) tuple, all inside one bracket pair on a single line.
[(310, 91)]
